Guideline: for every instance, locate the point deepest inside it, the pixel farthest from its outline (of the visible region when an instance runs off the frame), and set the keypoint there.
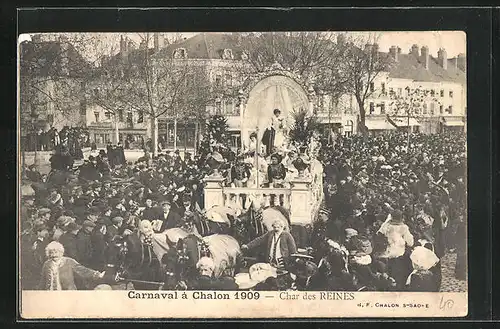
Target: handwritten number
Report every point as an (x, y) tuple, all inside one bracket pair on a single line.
[(446, 305)]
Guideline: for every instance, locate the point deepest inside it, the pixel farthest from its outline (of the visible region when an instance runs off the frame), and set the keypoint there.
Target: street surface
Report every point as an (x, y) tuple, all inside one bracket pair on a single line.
[(449, 283)]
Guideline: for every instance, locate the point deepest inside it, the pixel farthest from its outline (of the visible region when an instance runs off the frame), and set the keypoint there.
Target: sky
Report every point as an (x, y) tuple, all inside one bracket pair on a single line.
[(453, 41)]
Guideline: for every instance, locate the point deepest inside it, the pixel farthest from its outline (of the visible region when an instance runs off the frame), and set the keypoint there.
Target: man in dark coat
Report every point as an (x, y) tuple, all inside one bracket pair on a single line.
[(169, 218), (279, 245), (150, 212), (33, 174), (84, 243), (114, 229), (142, 263), (99, 245), (69, 241), (88, 170)]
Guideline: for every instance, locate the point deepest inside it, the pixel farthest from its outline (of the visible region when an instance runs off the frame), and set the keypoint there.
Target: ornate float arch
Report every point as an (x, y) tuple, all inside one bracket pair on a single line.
[(290, 89)]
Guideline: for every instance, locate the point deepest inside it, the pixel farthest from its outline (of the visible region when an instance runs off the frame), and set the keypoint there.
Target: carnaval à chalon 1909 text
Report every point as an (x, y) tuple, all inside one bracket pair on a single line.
[(241, 295)]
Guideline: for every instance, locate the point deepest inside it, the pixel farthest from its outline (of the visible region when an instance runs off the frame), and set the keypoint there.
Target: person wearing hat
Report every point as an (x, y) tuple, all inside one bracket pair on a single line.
[(68, 240), (88, 170), (37, 256), (279, 245), (276, 172), (33, 174), (422, 277), (54, 199), (60, 226), (115, 228), (360, 262), (44, 214), (149, 212), (84, 243), (168, 217)]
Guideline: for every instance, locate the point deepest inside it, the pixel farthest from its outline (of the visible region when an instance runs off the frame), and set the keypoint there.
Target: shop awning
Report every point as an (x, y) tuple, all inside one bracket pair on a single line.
[(379, 125), (456, 122), (403, 122)]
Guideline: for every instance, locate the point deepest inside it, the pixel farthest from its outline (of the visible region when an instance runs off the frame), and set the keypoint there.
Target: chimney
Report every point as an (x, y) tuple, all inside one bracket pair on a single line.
[(461, 61), (393, 51), (159, 41), (424, 52), (454, 61), (414, 50), (399, 51), (442, 58)]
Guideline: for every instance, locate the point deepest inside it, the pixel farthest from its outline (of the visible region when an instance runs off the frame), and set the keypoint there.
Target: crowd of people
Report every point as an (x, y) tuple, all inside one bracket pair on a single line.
[(74, 138), (394, 211), (406, 202)]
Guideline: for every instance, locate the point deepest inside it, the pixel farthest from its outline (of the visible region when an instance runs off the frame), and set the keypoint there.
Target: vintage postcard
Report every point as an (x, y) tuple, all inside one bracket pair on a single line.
[(242, 175)]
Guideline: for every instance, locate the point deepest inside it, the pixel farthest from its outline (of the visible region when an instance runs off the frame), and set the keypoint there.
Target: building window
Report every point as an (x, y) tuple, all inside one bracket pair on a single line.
[(433, 108), (228, 79), (130, 121), (382, 108), (441, 93), (425, 108), (400, 91), (218, 80), (383, 87), (433, 93), (372, 87), (141, 117), (372, 108), (218, 107), (450, 109), (120, 115), (96, 114), (440, 109), (391, 90), (451, 93), (107, 115), (408, 91)]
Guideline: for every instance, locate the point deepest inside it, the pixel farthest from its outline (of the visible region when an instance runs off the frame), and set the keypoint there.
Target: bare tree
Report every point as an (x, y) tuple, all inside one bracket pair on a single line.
[(155, 84), (364, 64), (413, 103), (51, 71)]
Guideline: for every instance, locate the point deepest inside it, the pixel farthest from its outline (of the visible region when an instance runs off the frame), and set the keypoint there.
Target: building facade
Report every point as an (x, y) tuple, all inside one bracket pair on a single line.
[(51, 85), (441, 101)]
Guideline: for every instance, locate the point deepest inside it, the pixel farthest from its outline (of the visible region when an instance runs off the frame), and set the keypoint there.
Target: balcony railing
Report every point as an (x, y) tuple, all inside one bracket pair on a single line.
[(302, 198)]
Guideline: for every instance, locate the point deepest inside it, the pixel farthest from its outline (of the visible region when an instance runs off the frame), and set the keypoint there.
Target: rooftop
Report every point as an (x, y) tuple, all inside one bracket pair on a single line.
[(409, 67)]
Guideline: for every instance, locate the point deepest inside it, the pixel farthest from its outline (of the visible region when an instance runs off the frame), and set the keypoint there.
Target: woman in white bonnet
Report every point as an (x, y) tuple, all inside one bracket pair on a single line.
[(58, 272), (422, 277)]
